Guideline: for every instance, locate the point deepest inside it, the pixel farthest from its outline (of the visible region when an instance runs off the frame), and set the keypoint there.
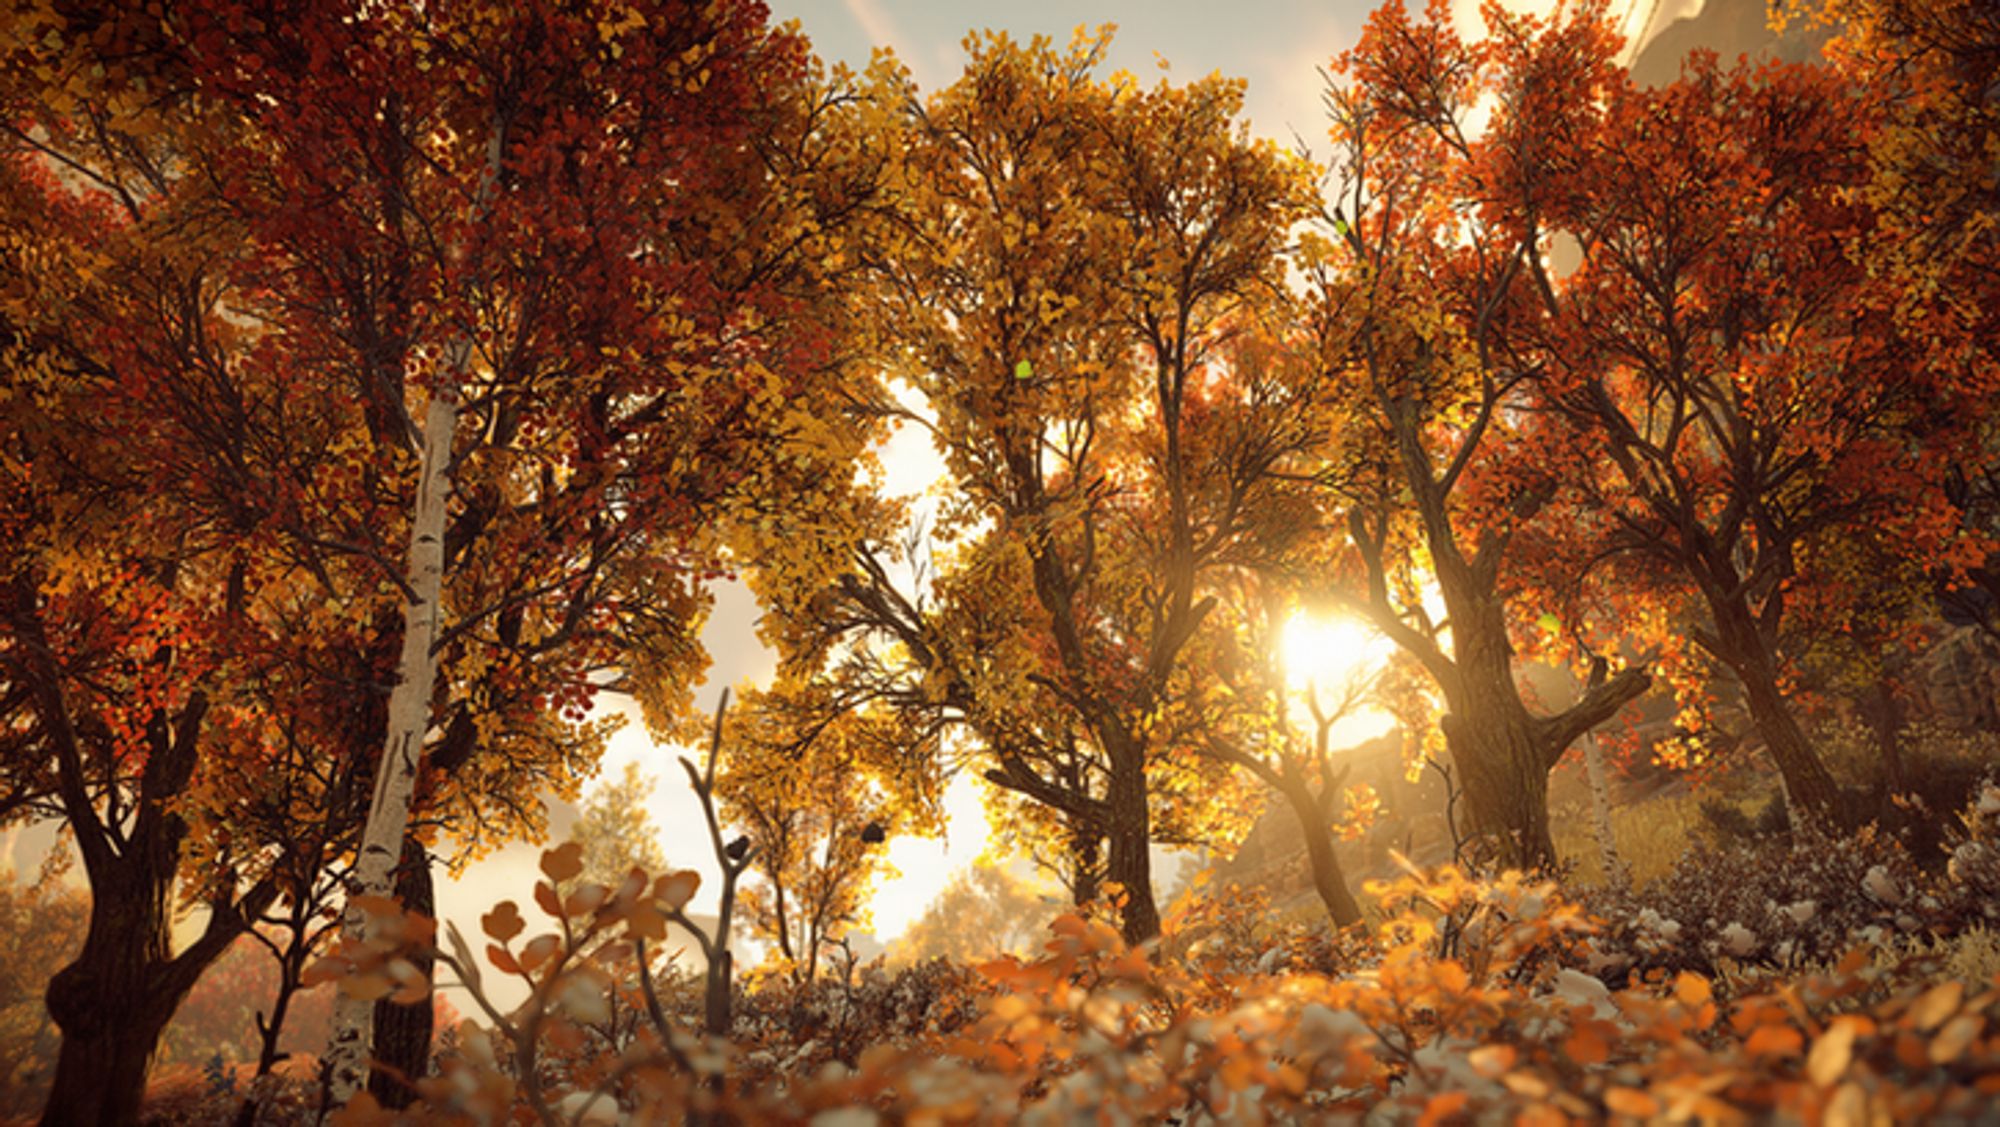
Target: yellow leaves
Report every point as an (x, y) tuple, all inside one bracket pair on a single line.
[(1957, 1034), (1364, 805), (627, 19), (1830, 1055), (1692, 990), (1935, 1005)]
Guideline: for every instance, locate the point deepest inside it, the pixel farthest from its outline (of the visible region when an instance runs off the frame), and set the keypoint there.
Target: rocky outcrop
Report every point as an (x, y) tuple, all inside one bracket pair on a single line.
[(1730, 28)]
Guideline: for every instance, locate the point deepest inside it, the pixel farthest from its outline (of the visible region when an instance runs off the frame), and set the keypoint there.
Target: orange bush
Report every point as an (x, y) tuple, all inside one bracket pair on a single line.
[(1469, 1000)]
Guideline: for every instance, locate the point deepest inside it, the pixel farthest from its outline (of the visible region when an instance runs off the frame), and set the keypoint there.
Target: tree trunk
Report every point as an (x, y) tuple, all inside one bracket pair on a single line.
[(403, 1033), (409, 720), (1615, 876), (115, 999), (1328, 880), (1886, 717), (1809, 786), (1504, 753), (269, 1032), (1131, 841), (716, 998), (101, 1073), (1506, 781), (111, 1005), (1492, 739)]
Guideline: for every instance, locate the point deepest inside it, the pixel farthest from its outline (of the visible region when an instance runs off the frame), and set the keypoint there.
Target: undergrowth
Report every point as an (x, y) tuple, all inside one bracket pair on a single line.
[(1739, 985)]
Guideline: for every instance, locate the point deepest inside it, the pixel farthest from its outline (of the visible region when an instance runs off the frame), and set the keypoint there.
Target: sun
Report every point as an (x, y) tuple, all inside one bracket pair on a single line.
[(1325, 654), (1328, 652)]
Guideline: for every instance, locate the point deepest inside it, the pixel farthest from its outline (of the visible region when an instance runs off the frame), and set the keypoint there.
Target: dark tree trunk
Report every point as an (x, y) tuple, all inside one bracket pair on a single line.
[(116, 998), (1328, 880), (1086, 859), (1506, 779), (269, 1031), (1503, 752), (402, 1049), (111, 1006), (1492, 737), (1131, 841), (1886, 717), (101, 1071), (1809, 786)]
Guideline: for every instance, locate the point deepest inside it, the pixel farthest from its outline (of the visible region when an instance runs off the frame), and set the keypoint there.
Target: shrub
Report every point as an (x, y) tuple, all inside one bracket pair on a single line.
[(1466, 1001)]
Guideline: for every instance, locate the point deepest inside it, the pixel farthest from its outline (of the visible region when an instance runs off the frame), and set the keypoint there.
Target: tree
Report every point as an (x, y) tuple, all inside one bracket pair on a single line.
[(615, 832), (1073, 255), (1931, 247), (572, 274), (1695, 351), (820, 791), (1269, 747), (1414, 300), (295, 293), (984, 911), (113, 640)]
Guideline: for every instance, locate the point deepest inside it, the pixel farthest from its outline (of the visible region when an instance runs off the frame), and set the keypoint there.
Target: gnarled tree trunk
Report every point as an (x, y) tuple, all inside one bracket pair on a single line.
[(114, 1000)]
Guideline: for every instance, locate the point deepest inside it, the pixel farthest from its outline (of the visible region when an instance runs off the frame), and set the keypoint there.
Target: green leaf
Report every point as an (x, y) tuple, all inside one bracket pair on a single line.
[(1024, 371)]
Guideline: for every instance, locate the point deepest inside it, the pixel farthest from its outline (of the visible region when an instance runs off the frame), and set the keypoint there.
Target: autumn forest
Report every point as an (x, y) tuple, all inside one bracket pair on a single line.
[(390, 387)]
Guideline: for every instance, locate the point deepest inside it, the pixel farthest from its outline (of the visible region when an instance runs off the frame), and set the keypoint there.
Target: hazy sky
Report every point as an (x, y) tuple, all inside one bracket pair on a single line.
[(1278, 46), (1275, 44)]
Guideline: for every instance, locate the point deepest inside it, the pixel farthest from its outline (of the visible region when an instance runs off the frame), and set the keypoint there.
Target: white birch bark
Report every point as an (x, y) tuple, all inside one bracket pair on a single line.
[(409, 721), (416, 681)]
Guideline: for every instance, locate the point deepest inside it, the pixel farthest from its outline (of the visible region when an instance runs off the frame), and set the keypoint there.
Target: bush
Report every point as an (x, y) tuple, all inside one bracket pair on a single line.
[(1466, 1001), (1779, 902)]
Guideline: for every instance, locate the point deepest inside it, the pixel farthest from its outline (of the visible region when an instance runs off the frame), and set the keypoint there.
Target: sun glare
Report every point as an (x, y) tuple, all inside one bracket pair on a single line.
[(1324, 655), (1329, 652)]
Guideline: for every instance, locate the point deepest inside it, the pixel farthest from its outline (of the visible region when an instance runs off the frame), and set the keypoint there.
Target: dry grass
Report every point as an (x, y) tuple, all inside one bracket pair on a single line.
[(1650, 835)]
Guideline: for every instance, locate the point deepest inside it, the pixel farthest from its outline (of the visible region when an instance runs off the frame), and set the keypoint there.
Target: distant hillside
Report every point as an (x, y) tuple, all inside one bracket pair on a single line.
[(1730, 28)]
